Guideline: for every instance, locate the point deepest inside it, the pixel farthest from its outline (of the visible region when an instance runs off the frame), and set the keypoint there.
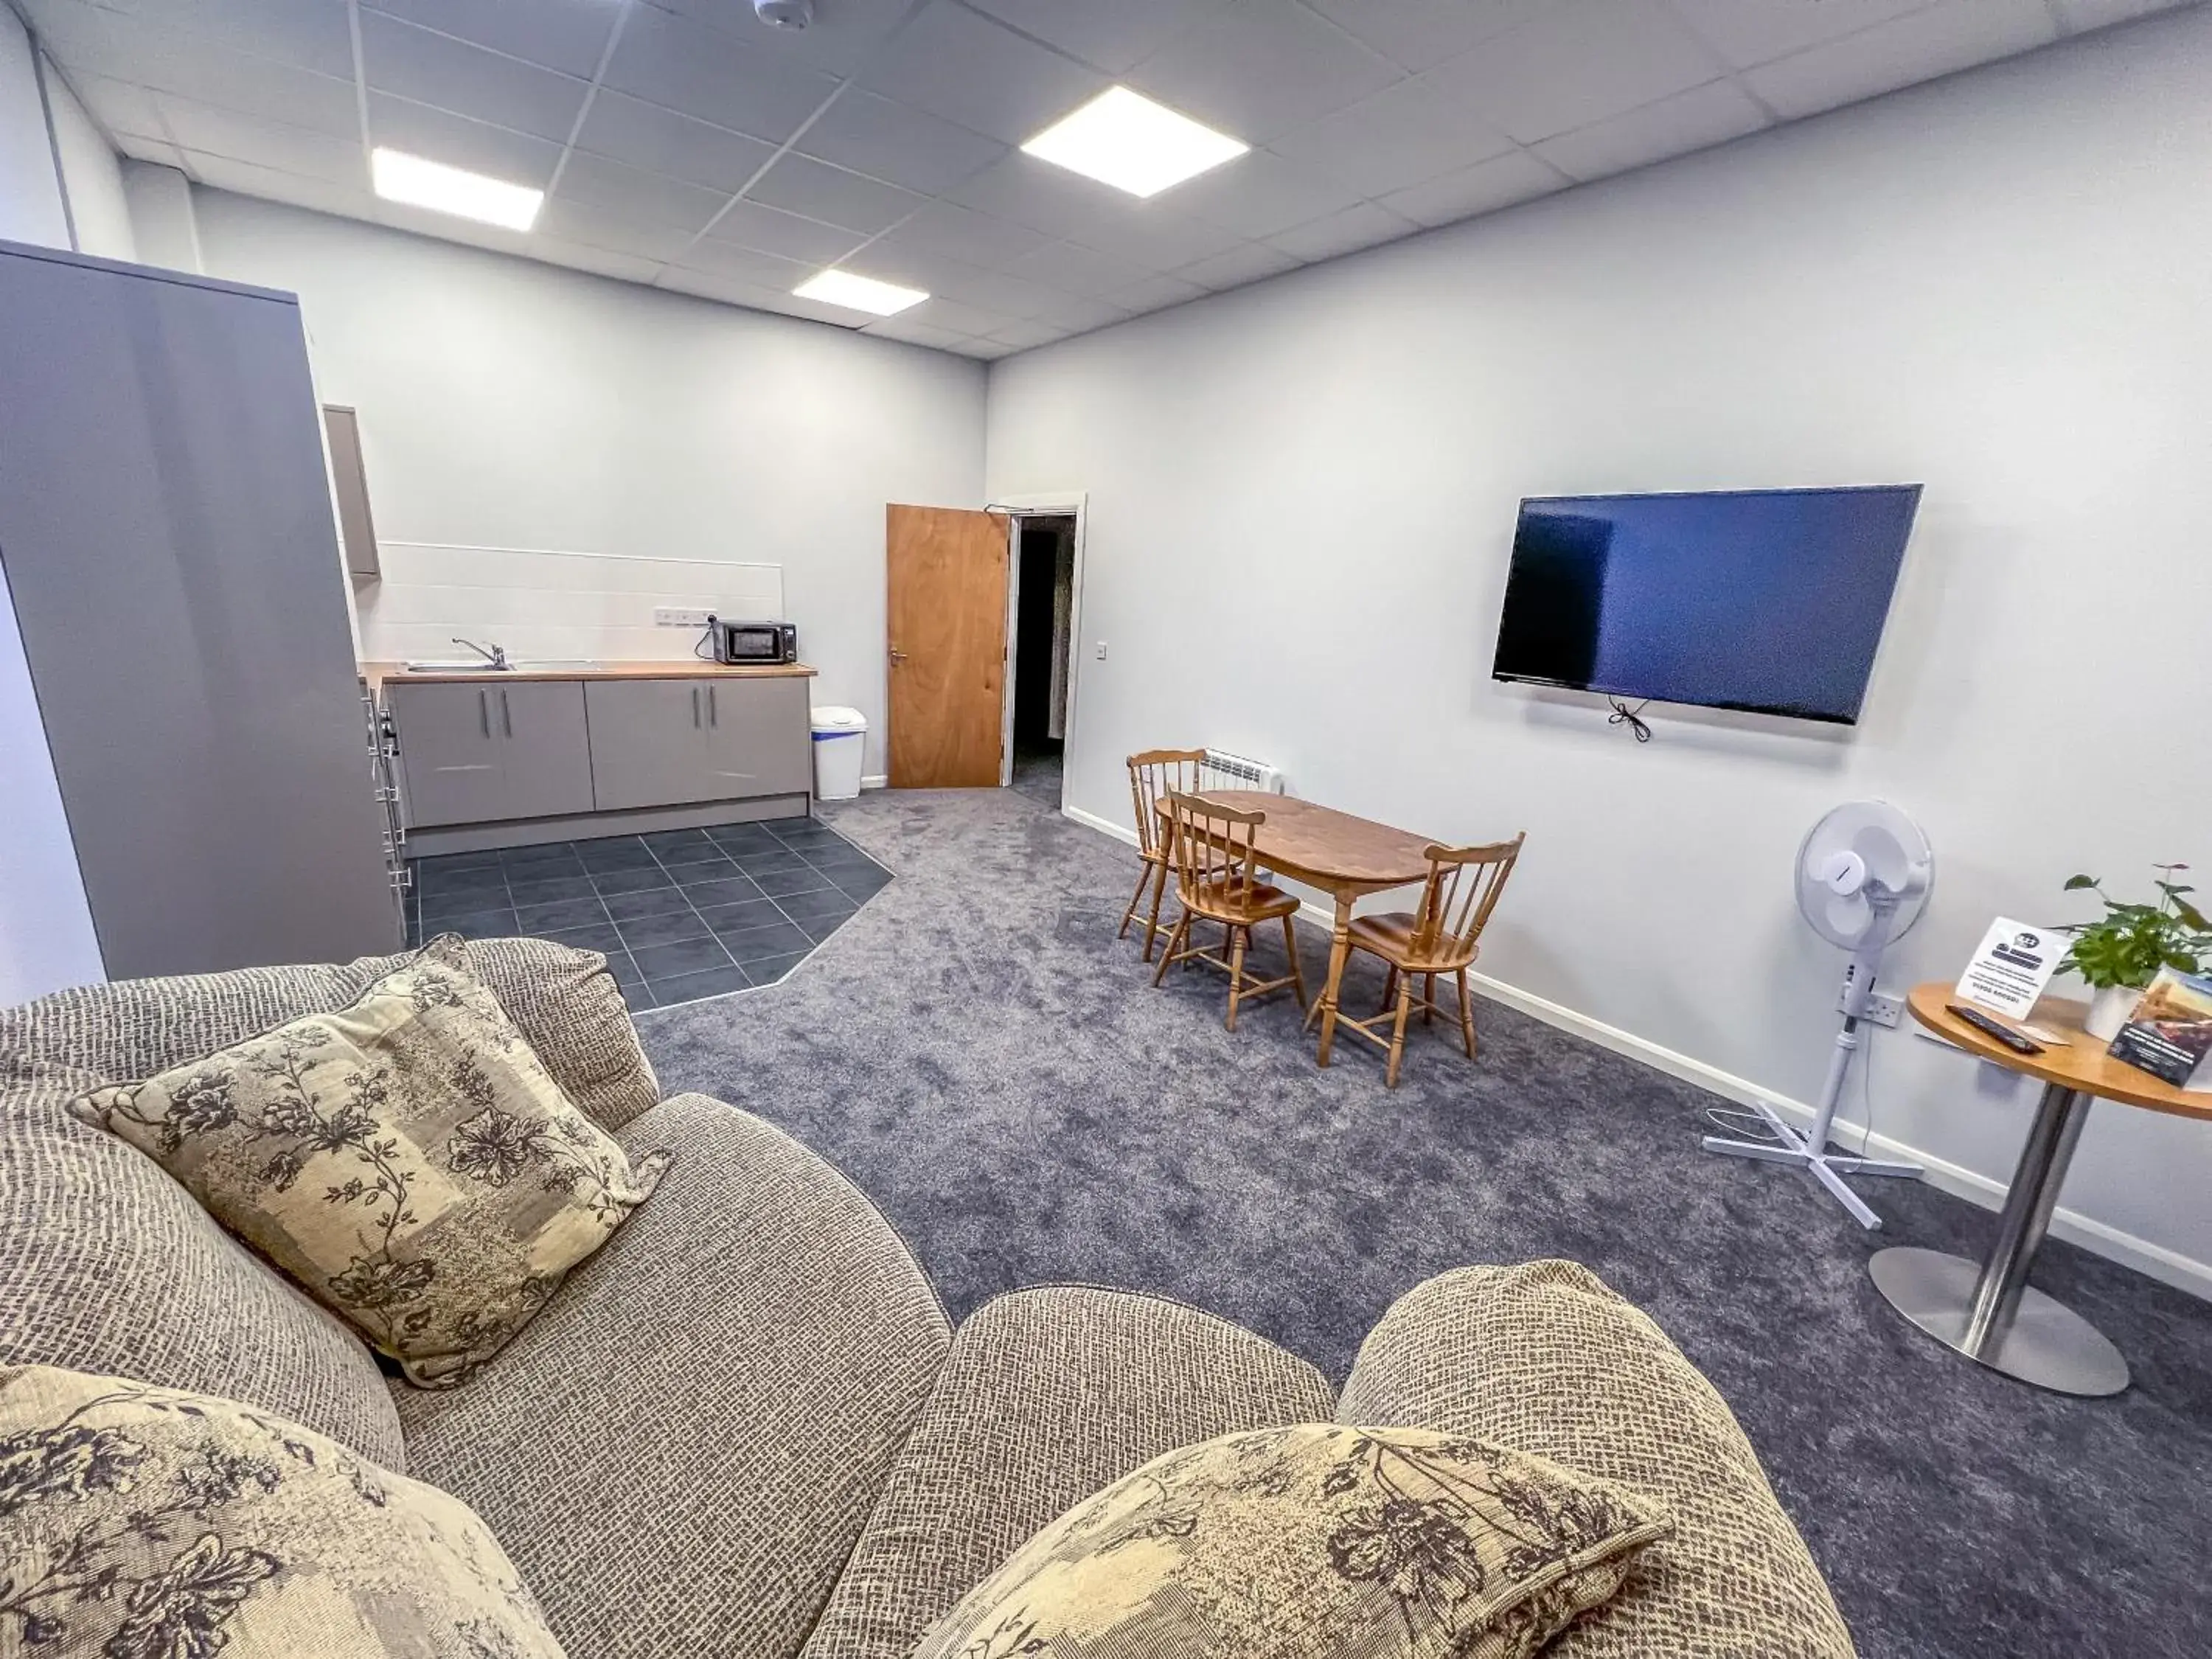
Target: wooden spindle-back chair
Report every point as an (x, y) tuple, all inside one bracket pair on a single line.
[(1218, 878), (1153, 776), (1442, 936)]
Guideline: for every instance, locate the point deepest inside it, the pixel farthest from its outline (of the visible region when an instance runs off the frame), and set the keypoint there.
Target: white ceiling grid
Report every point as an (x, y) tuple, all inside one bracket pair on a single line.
[(684, 144)]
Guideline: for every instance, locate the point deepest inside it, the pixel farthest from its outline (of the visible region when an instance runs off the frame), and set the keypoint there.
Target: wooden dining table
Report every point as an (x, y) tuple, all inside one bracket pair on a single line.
[(1345, 857)]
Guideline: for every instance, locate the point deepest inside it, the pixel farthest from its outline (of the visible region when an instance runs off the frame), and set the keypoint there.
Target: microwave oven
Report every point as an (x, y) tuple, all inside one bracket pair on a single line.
[(753, 642)]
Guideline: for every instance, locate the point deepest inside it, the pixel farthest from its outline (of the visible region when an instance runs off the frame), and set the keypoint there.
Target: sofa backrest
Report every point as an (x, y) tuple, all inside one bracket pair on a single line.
[(107, 1264)]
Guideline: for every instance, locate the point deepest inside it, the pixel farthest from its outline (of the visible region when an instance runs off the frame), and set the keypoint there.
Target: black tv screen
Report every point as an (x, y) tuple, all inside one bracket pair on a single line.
[(1771, 600)]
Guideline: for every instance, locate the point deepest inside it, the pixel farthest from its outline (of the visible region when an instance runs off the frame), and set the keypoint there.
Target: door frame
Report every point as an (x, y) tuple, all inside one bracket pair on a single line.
[(1046, 504)]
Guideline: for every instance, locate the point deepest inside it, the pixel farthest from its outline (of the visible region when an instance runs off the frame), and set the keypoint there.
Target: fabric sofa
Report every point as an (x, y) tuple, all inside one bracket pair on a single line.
[(746, 1427)]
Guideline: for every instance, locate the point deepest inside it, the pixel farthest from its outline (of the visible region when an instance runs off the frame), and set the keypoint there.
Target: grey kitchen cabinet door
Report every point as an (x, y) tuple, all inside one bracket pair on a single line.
[(449, 753), (649, 743), (487, 752), (758, 737), (545, 748)]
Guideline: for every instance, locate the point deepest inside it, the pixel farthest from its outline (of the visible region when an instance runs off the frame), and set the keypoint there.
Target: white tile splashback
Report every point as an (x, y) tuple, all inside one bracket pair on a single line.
[(540, 603)]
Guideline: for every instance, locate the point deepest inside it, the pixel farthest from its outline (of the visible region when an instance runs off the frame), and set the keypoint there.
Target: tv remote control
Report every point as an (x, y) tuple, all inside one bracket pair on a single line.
[(2004, 1034)]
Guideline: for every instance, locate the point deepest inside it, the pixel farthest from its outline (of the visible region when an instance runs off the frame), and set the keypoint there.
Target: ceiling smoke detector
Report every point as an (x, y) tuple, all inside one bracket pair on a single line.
[(785, 13)]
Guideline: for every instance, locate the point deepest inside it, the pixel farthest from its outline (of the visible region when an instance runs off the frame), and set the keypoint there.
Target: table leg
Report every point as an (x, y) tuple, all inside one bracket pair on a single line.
[(1990, 1313), (1339, 947)]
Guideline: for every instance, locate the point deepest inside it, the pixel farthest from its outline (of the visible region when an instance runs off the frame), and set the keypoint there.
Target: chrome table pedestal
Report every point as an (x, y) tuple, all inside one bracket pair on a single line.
[(1988, 1313)]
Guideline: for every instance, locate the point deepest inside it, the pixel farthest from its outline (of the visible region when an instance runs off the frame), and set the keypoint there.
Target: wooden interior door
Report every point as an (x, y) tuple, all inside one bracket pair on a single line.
[(947, 614)]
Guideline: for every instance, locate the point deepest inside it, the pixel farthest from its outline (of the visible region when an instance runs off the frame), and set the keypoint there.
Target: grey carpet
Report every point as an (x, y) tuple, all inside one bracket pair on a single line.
[(979, 1054)]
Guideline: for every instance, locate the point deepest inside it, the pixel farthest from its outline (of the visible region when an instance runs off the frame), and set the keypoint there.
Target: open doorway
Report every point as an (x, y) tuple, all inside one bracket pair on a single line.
[(1042, 617)]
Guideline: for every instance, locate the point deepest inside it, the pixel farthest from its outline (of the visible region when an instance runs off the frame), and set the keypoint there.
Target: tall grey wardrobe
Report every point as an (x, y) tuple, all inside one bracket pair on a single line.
[(167, 535)]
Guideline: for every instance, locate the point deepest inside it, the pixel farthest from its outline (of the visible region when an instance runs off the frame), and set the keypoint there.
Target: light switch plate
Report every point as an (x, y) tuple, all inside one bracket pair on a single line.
[(1101, 650), (671, 616)]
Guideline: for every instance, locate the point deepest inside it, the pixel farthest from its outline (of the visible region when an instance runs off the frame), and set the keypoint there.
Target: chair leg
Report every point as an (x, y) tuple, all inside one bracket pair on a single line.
[(1153, 925), (1398, 1032), (1390, 991), (1236, 937), (1429, 1000), (1144, 875), (1175, 937), (1466, 1014), (1297, 975)]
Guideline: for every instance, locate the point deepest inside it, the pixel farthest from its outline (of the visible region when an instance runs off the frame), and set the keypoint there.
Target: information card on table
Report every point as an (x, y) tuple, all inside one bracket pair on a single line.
[(2015, 962)]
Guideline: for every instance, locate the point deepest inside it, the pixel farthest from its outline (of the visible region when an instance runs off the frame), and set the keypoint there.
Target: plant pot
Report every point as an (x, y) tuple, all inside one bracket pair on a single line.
[(2110, 1009)]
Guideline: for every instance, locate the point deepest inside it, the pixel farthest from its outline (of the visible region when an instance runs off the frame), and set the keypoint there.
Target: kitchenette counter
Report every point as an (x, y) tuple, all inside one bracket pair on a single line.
[(381, 674)]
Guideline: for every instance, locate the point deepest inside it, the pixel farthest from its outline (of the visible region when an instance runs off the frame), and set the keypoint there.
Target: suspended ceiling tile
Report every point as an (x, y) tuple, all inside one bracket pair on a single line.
[(597, 261), (1255, 71), (1259, 194), (1157, 239), (1074, 269), (642, 135), (86, 40), (964, 234), (844, 33), (1403, 135), (440, 135), (310, 34), (686, 66), (913, 332), (818, 190), (595, 180), (787, 235), (238, 137), (1025, 335), (895, 142), (433, 69), (1483, 188), (1576, 62), (962, 67), (1112, 38), (1418, 34), (614, 229), (1910, 49), (1040, 195), (275, 184), (1750, 32), (1248, 264), (1364, 224), (1154, 292), (567, 35), (124, 107), (1703, 116), (726, 262)]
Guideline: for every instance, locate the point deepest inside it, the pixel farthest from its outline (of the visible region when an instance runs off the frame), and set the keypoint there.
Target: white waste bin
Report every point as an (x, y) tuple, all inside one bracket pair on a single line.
[(840, 735)]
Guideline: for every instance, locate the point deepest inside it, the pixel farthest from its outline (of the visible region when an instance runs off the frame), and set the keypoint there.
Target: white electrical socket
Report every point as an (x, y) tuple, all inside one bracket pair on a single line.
[(672, 615)]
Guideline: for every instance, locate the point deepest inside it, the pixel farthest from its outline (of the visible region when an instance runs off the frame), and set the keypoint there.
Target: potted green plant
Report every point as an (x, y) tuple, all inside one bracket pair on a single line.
[(2122, 951)]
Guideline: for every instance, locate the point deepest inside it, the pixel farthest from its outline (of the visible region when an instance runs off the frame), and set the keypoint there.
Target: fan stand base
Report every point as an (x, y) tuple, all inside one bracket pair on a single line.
[(1792, 1146)]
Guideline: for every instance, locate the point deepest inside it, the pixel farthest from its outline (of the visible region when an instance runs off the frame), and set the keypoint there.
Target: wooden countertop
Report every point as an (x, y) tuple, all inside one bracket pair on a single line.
[(2081, 1063), (378, 674)]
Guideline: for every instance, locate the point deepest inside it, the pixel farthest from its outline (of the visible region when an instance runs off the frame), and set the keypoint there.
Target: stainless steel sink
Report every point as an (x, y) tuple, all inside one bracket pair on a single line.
[(477, 666), (526, 666)]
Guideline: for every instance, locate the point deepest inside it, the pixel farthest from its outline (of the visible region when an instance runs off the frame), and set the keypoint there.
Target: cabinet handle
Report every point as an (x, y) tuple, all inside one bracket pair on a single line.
[(713, 709), (695, 706), (483, 710), (505, 715)]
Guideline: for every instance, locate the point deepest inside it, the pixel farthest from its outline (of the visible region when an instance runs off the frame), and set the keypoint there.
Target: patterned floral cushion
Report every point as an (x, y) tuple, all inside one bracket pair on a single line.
[(141, 1523), (409, 1161), (1309, 1542)]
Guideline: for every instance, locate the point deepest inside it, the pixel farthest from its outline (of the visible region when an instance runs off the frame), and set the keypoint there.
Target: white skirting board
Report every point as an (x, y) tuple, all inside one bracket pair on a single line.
[(876, 782), (2169, 1267)]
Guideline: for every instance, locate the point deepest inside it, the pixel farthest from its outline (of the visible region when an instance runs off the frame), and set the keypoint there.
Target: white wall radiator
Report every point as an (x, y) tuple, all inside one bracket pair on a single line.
[(1222, 770)]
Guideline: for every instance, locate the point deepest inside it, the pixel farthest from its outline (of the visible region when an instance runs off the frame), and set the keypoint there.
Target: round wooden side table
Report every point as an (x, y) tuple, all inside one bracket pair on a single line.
[(1987, 1311)]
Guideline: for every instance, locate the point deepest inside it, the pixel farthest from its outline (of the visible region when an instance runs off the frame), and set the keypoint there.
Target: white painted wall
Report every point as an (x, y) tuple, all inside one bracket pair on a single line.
[(92, 174), (2000, 285), (162, 222), (510, 404), (47, 938)]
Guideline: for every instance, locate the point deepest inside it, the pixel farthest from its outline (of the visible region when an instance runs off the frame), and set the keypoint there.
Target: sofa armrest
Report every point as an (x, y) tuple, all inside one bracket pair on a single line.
[(1544, 1357)]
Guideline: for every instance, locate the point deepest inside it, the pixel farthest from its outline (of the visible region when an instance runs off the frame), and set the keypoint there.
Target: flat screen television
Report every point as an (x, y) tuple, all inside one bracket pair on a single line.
[(1770, 600)]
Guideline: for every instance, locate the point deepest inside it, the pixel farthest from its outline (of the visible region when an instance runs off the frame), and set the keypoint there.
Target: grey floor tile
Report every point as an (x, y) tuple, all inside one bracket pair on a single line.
[(779, 858), (652, 902), (633, 880), (861, 886), (441, 907), (758, 944), (623, 969), (662, 840), (638, 997), (828, 902), (733, 889), (769, 970), (628, 853), (561, 913), (454, 884), (804, 879), (740, 835), (640, 932), (736, 918), (718, 868), (684, 858), (598, 936), (693, 956), (485, 924), (819, 928), (531, 887), (551, 852), (462, 860), (689, 988)]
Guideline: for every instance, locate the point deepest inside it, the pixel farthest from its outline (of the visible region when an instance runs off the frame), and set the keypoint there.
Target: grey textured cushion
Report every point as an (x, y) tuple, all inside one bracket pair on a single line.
[(1048, 1396), (679, 1452), (107, 1266), (1546, 1359)]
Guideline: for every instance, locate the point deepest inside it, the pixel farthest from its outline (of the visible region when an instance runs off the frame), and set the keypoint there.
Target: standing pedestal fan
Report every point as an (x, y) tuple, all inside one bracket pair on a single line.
[(1862, 879)]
